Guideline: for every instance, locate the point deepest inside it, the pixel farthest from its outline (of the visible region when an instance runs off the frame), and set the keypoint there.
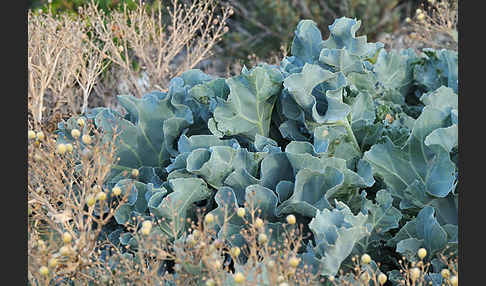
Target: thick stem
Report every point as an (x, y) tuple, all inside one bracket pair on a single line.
[(349, 130)]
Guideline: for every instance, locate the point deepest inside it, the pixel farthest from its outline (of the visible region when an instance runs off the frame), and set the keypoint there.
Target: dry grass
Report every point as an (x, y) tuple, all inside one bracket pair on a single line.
[(433, 25), (412, 273), (436, 25), (145, 48), (68, 209)]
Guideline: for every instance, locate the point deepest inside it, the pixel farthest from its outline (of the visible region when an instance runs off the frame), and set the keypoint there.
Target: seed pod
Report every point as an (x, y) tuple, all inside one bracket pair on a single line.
[(294, 262), (116, 191), (90, 201), (422, 252), (65, 251), (75, 133), (135, 173), (241, 212), (365, 259), (259, 223), (44, 271), (291, 219), (445, 273), (382, 278), (67, 238), (61, 148), (262, 238), (52, 262), (235, 251), (40, 136), (86, 139), (209, 218), (101, 196)]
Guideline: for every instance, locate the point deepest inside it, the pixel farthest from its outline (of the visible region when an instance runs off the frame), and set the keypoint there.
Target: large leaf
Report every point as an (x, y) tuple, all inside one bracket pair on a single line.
[(382, 217), (425, 229), (248, 109), (393, 71), (341, 60), (174, 207), (343, 35), (311, 191), (336, 232), (416, 170), (307, 43), (319, 93)]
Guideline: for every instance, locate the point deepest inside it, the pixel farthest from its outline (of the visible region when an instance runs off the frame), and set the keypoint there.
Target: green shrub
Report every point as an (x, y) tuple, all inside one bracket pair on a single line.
[(358, 143)]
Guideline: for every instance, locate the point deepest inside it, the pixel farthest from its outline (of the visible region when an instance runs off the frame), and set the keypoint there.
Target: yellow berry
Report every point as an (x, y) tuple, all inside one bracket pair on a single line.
[(196, 233), (81, 122), (239, 277), (65, 251), (454, 280), (209, 218), (365, 259), (52, 262), (280, 279), (40, 135), (67, 238), (86, 139), (414, 273), (408, 20), (210, 282), (69, 147), (235, 251), (31, 134), (240, 212), (101, 196), (294, 262), (262, 238), (418, 11), (135, 173), (90, 201), (44, 271), (291, 219), (382, 278), (116, 191), (61, 148), (421, 17), (445, 273), (331, 278), (146, 227), (75, 133), (422, 252), (259, 223)]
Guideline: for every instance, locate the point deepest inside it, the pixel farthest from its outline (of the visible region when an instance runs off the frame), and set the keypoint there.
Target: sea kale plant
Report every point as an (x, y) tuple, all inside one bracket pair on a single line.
[(358, 144)]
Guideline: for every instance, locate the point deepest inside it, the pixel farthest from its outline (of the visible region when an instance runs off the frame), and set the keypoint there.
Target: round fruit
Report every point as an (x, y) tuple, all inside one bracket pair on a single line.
[(291, 219)]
